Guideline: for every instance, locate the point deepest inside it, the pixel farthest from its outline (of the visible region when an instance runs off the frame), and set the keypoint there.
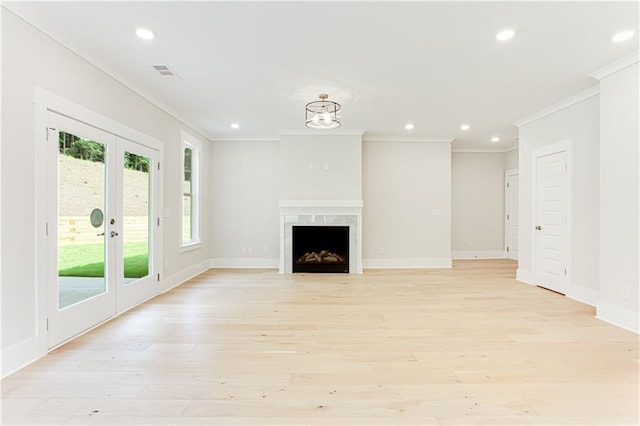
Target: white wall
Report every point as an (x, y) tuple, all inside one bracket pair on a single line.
[(619, 196), (511, 159), (321, 167), (30, 59), (477, 204), (579, 124), (245, 214), (407, 204)]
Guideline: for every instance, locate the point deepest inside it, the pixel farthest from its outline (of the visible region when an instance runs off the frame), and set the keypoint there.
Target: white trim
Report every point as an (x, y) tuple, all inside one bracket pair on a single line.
[(68, 108), (615, 66), (585, 295), (478, 254), (525, 276), (572, 100), (484, 150), (415, 263), (320, 203), (245, 263), (195, 145), (509, 176), (20, 355), (181, 277), (245, 140), (194, 245), (616, 315), (403, 139), (315, 133)]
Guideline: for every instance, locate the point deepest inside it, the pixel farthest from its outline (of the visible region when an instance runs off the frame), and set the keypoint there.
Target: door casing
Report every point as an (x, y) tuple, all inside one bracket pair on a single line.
[(511, 178)]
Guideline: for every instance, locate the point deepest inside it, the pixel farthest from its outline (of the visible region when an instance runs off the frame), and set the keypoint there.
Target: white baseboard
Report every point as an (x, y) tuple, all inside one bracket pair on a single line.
[(618, 316), (525, 276), (419, 263), (588, 296), (479, 254), (246, 263), (20, 355), (183, 276)]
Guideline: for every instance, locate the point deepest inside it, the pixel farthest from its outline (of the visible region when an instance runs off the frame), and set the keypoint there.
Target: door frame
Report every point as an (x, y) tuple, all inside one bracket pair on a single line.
[(507, 225), (554, 148), (45, 101)]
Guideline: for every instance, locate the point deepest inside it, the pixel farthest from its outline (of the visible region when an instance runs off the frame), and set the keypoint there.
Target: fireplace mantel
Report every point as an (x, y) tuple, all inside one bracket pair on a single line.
[(319, 213)]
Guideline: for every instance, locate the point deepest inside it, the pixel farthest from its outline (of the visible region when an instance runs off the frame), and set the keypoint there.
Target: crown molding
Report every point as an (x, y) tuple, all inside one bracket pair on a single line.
[(322, 134), (484, 150), (401, 139), (615, 66), (585, 94), (246, 140)]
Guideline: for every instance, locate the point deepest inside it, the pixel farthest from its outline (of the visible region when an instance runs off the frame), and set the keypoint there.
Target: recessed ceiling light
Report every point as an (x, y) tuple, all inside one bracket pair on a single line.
[(495, 139), (465, 127), (145, 34), (409, 126), (505, 35), (623, 36), (235, 126)]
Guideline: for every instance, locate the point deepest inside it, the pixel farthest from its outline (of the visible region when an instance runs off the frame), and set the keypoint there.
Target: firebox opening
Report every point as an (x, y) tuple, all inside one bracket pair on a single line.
[(321, 249)]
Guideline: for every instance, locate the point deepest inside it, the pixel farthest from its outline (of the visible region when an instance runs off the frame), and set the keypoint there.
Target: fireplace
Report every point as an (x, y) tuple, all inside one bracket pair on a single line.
[(323, 249), (323, 214)]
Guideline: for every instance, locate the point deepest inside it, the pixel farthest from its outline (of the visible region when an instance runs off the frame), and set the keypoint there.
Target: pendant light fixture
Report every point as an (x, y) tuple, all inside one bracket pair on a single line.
[(322, 114)]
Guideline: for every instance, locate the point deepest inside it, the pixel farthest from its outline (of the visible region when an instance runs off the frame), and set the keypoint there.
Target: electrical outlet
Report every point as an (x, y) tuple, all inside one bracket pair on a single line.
[(625, 293)]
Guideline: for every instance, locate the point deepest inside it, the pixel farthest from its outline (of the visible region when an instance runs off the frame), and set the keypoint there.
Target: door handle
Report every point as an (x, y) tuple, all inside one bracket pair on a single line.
[(539, 228), (114, 234)]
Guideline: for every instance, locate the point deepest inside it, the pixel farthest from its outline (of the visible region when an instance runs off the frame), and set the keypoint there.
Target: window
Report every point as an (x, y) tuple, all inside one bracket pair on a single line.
[(190, 175)]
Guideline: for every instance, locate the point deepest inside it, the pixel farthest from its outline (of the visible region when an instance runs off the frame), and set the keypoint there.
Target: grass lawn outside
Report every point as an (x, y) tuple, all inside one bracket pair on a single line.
[(87, 260)]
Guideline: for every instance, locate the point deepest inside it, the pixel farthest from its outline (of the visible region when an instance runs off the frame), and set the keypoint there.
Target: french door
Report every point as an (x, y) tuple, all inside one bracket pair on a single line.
[(102, 226)]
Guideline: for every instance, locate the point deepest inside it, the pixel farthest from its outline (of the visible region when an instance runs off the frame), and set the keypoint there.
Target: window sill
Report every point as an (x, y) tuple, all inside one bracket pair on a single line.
[(190, 247)]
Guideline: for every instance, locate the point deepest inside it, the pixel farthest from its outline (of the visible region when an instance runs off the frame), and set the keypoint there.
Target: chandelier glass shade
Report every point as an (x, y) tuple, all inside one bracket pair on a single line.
[(322, 114)]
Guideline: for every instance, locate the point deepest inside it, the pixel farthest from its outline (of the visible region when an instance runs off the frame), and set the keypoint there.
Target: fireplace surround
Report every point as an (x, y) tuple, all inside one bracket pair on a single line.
[(315, 213)]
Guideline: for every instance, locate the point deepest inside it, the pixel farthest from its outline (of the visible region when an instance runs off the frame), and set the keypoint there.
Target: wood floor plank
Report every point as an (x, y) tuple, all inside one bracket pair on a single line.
[(467, 345)]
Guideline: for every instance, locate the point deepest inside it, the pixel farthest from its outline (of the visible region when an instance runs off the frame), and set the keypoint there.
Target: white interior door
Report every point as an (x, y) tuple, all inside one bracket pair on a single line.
[(551, 221), (102, 218), (511, 214)]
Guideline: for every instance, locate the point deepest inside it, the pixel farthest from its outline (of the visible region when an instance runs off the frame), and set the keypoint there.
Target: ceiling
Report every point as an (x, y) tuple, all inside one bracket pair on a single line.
[(434, 64)]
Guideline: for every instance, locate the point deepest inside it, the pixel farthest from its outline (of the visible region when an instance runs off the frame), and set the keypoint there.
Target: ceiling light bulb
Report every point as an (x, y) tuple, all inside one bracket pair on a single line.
[(409, 126), (326, 117), (145, 34), (623, 36), (465, 127), (495, 139), (505, 35), (235, 126)]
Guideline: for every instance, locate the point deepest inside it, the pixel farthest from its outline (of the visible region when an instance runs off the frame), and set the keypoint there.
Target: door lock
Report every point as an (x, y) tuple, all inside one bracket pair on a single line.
[(539, 228), (114, 234)]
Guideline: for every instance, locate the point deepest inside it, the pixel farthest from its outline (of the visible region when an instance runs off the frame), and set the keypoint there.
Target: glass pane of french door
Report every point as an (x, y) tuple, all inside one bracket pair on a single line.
[(136, 224), (81, 225)]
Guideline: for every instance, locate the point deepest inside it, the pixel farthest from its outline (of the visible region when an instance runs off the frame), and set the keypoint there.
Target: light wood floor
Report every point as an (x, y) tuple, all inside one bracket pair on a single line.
[(469, 345)]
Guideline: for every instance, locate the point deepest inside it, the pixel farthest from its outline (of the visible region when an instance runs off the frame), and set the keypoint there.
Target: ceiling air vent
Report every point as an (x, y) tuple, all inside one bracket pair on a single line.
[(163, 70)]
